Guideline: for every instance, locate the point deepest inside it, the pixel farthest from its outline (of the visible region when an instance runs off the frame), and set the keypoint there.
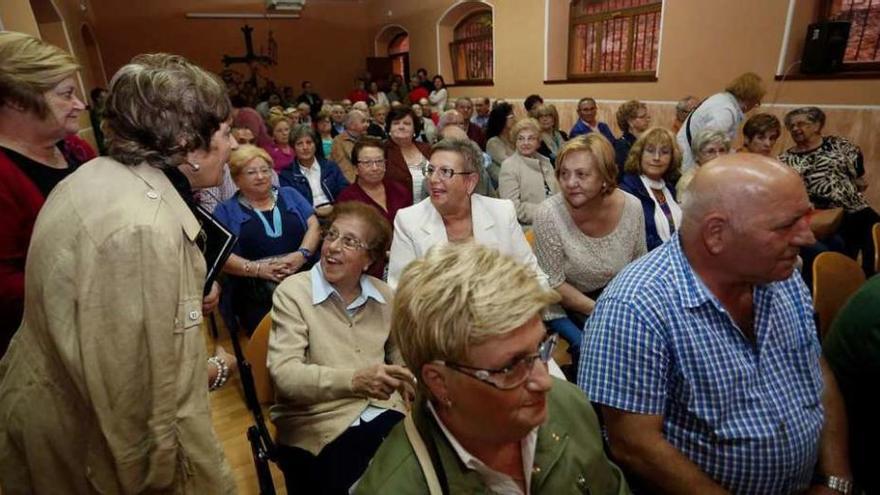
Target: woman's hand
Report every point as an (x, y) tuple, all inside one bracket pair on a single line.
[(292, 263), (272, 269), (209, 303), (379, 381)]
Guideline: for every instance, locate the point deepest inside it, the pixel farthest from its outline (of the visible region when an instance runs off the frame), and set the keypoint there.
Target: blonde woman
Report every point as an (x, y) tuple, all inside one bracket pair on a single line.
[(552, 139), (467, 320)]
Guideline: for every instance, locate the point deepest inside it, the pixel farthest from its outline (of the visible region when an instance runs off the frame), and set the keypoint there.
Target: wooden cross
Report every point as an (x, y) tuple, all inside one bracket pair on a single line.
[(250, 57)]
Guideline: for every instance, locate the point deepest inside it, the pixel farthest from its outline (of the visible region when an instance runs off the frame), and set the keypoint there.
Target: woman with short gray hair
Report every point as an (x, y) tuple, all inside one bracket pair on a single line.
[(707, 145), (103, 389)]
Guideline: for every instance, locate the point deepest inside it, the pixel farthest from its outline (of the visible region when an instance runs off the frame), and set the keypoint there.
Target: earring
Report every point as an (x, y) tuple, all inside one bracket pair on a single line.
[(447, 402), (195, 166)]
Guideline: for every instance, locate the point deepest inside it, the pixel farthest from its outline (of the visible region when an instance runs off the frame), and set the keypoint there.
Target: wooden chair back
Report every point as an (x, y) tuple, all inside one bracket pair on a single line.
[(835, 278), (255, 352)]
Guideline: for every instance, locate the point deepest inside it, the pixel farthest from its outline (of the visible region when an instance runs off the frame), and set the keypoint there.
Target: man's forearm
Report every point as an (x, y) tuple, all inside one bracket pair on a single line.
[(834, 442)]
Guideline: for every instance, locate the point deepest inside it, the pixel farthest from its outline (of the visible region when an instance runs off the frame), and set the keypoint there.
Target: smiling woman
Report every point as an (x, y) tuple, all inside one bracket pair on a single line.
[(39, 116)]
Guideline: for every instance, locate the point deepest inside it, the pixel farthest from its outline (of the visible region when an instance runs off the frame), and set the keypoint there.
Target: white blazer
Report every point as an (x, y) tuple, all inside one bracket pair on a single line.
[(419, 227)]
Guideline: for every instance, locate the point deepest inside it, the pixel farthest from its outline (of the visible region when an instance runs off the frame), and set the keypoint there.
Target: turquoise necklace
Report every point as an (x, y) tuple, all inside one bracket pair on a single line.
[(274, 230)]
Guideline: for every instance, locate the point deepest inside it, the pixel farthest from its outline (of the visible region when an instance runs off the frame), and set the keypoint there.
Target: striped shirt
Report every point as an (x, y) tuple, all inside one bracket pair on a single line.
[(749, 414)]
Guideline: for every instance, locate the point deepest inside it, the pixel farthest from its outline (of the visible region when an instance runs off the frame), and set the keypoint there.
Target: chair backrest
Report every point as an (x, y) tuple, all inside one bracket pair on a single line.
[(835, 278), (875, 233), (256, 351)]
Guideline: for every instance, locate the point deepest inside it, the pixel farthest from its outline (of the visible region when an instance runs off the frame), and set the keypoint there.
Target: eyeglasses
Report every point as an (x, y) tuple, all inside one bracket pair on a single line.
[(526, 139), (348, 242), (446, 173), (253, 172), (509, 377), (372, 163)]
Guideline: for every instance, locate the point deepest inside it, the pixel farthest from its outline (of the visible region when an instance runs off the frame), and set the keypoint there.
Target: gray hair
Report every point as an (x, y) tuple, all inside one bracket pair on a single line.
[(709, 136), (815, 114), (353, 115), (446, 117), (683, 104), (161, 107), (469, 151)]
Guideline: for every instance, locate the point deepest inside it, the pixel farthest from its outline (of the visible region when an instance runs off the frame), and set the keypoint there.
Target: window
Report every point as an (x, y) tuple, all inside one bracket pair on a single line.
[(398, 51), (613, 38), (471, 48), (863, 46)]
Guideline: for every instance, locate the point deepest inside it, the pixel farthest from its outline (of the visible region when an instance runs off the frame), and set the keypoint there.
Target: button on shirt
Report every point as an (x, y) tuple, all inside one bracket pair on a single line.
[(748, 414), (313, 175), (323, 290)]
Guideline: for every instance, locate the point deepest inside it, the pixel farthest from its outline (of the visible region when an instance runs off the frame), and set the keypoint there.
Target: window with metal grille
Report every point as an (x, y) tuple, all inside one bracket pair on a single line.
[(863, 46), (471, 48), (613, 38)]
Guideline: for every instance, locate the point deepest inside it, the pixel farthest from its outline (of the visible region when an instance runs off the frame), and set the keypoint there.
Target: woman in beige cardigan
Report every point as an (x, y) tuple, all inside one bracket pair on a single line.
[(527, 177), (338, 377)]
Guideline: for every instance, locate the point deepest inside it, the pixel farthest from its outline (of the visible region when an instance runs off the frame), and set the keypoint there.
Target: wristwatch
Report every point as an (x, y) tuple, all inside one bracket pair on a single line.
[(838, 484), (305, 252)]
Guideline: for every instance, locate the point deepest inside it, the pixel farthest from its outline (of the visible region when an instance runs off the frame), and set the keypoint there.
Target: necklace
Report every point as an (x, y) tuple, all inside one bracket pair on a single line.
[(274, 230)]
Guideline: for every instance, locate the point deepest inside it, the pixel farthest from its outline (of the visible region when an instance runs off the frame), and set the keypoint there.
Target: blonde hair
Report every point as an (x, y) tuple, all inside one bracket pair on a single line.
[(28, 68), (600, 148), (274, 120), (243, 155), (545, 109), (459, 295), (656, 136), (747, 87), (527, 123)]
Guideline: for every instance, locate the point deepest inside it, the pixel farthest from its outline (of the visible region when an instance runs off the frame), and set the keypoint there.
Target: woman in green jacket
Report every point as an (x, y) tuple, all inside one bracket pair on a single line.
[(488, 418)]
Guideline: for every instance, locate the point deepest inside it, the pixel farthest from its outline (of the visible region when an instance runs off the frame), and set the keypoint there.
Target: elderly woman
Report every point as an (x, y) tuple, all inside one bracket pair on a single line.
[(338, 377), (454, 214), (103, 389), (280, 150), (723, 111), (277, 234), (586, 234), (833, 170), (651, 170), (468, 323), (526, 176), (319, 181), (378, 118), (760, 133), (499, 142), (708, 144), (552, 139), (39, 118), (406, 157), (373, 187), (633, 120)]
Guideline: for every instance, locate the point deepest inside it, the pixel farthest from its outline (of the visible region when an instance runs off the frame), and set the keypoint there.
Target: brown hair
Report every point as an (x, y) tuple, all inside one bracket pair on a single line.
[(628, 111), (761, 123), (656, 136), (380, 229)]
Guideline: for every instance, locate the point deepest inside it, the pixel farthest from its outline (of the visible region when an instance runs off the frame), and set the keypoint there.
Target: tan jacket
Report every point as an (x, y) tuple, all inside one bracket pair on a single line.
[(340, 153), (313, 354), (104, 388), (522, 181)]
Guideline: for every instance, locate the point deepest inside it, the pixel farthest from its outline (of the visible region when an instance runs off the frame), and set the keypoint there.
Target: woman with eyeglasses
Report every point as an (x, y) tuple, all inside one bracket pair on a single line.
[(454, 214), (338, 377), (526, 177), (488, 417), (277, 234), (373, 187)]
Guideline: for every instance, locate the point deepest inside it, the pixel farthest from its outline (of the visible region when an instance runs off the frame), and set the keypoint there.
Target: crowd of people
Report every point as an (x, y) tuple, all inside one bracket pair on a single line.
[(420, 255)]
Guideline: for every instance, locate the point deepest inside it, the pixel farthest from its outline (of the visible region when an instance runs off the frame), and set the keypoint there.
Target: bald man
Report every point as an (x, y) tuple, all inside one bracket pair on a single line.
[(704, 355)]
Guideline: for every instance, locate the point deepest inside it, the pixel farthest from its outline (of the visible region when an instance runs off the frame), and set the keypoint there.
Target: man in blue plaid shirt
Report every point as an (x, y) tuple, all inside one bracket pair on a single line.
[(704, 355)]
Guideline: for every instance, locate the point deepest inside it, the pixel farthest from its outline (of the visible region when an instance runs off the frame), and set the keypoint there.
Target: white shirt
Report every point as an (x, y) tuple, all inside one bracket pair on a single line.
[(418, 178), (313, 175), (495, 481), (720, 111)]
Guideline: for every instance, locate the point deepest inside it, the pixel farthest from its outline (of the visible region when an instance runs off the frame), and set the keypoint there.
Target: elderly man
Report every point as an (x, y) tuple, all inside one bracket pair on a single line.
[(587, 121), (683, 108), (337, 119), (465, 108), (704, 355), (355, 126), (481, 116)]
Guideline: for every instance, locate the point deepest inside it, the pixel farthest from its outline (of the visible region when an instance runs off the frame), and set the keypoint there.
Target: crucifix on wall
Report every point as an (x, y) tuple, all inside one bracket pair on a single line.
[(250, 57)]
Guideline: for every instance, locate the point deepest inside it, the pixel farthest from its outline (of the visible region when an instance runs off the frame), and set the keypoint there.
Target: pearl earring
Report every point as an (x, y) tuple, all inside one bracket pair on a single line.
[(195, 166)]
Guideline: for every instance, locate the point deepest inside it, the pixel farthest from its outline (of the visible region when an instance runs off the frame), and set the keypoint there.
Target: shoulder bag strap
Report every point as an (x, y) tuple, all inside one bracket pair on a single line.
[(418, 445), (687, 123)]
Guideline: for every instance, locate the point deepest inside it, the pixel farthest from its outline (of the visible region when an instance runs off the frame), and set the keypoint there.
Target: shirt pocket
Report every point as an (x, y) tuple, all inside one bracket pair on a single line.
[(189, 315)]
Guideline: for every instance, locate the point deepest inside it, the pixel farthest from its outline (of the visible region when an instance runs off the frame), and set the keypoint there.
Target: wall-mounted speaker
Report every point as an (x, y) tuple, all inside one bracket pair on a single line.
[(825, 47)]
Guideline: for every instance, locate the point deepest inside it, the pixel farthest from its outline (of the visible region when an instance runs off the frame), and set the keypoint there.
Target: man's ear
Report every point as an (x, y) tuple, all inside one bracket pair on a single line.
[(716, 231)]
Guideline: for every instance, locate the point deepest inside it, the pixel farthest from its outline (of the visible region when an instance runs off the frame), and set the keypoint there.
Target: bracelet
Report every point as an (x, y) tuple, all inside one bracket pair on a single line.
[(222, 372), (248, 266), (305, 252)]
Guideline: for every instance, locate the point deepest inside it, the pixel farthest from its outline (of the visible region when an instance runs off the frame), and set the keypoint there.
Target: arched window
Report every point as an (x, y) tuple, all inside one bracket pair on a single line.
[(398, 52), (471, 48), (613, 38)]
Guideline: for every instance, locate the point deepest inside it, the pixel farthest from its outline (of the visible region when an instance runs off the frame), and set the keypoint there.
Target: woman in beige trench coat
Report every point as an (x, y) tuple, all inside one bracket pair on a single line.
[(104, 387)]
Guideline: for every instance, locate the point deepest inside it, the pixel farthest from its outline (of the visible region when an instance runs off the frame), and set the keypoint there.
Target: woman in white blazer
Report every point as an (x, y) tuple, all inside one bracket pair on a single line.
[(453, 213)]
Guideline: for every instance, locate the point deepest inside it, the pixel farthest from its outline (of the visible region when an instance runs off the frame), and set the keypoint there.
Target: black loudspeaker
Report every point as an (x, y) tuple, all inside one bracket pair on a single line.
[(825, 47)]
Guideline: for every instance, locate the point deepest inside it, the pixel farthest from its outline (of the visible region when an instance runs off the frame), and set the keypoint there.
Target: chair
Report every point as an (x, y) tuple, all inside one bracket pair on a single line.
[(875, 233), (826, 222), (835, 278), (256, 351)]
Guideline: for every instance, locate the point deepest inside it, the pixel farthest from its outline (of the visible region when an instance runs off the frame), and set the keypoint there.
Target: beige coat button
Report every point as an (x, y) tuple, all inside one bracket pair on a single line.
[(193, 315)]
